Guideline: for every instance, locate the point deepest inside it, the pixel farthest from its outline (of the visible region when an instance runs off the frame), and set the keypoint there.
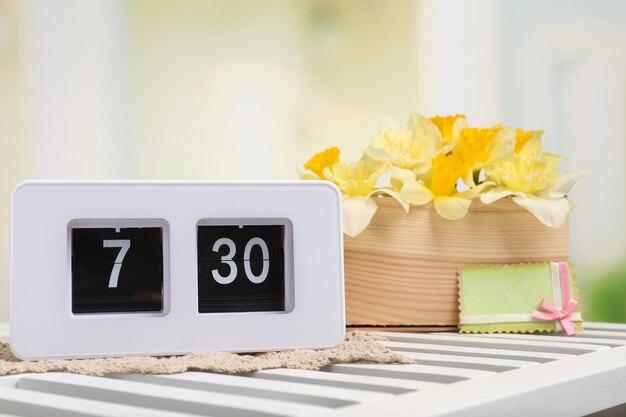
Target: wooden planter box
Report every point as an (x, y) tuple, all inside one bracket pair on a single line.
[(402, 271)]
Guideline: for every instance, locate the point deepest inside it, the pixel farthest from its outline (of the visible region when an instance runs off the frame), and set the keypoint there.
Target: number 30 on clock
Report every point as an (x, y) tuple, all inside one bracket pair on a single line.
[(241, 267)]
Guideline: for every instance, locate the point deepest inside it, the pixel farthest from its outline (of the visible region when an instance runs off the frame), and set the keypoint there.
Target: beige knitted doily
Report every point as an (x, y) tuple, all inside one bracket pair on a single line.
[(357, 347)]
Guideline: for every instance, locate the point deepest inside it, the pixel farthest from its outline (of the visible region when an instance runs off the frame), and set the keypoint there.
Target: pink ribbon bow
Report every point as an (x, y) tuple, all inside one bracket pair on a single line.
[(552, 313)]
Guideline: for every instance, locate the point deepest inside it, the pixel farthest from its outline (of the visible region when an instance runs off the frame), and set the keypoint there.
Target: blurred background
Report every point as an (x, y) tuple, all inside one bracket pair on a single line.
[(249, 89)]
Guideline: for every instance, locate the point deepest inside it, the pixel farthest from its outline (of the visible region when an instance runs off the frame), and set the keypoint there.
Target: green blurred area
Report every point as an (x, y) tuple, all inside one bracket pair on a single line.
[(604, 296)]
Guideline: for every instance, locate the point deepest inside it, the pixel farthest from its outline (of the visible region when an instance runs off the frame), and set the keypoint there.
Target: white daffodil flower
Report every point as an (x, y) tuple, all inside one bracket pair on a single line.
[(411, 148), (532, 179), (357, 182)]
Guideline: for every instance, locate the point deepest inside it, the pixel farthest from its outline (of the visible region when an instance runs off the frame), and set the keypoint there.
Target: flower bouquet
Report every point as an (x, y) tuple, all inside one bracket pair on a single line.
[(435, 195)]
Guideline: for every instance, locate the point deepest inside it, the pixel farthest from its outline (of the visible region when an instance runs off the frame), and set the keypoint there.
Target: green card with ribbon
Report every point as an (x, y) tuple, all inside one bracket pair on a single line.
[(540, 297)]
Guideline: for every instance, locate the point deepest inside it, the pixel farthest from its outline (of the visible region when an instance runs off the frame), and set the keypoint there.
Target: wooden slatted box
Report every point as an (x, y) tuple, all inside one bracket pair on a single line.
[(402, 270)]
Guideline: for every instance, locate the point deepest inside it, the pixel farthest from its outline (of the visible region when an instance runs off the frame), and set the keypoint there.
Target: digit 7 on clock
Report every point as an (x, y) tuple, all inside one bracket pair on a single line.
[(117, 270)]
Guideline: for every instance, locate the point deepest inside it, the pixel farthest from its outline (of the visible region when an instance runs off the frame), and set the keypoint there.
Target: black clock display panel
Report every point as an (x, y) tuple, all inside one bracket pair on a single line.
[(241, 268), (117, 269)]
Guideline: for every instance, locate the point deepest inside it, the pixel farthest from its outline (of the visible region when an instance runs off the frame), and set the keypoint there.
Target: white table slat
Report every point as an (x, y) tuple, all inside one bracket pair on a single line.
[(608, 334), (163, 397), (486, 364), (420, 372), (617, 327), (402, 347), (484, 341), (276, 390), (576, 339), (32, 403), (9, 381), (373, 383)]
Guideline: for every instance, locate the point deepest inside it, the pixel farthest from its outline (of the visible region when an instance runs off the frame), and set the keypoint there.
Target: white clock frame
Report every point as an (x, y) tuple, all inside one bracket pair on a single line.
[(43, 325)]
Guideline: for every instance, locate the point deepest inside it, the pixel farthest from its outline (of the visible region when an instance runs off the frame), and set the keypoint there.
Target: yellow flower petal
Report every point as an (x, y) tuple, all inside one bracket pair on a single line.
[(495, 194), (451, 208), (447, 170), (400, 148), (551, 212), (474, 191), (502, 147), (416, 193), (562, 185), (395, 183), (468, 176), (379, 153), (482, 148), (393, 194), (528, 141), (426, 130), (322, 160), (409, 188), (402, 174), (411, 148), (358, 178), (474, 145), (450, 127), (357, 214)]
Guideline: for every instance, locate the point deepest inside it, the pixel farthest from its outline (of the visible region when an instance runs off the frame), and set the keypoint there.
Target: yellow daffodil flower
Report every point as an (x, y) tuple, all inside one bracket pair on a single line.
[(440, 189), (482, 148), (532, 178), (450, 127), (530, 140), (357, 178), (357, 182), (412, 148), (320, 161)]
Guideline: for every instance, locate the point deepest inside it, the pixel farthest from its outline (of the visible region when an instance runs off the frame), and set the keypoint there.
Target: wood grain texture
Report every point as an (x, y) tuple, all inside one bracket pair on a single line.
[(404, 329), (402, 271)]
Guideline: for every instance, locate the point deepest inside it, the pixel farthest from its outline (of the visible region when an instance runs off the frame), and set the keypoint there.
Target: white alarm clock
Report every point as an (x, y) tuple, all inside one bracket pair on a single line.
[(159, 268)]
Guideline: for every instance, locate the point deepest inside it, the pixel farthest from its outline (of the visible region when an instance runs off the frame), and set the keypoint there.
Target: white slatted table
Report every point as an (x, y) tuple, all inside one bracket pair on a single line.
[(455, 375)]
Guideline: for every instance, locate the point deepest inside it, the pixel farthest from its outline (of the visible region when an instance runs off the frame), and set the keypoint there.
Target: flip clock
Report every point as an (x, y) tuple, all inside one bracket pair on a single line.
[(159, 268)]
